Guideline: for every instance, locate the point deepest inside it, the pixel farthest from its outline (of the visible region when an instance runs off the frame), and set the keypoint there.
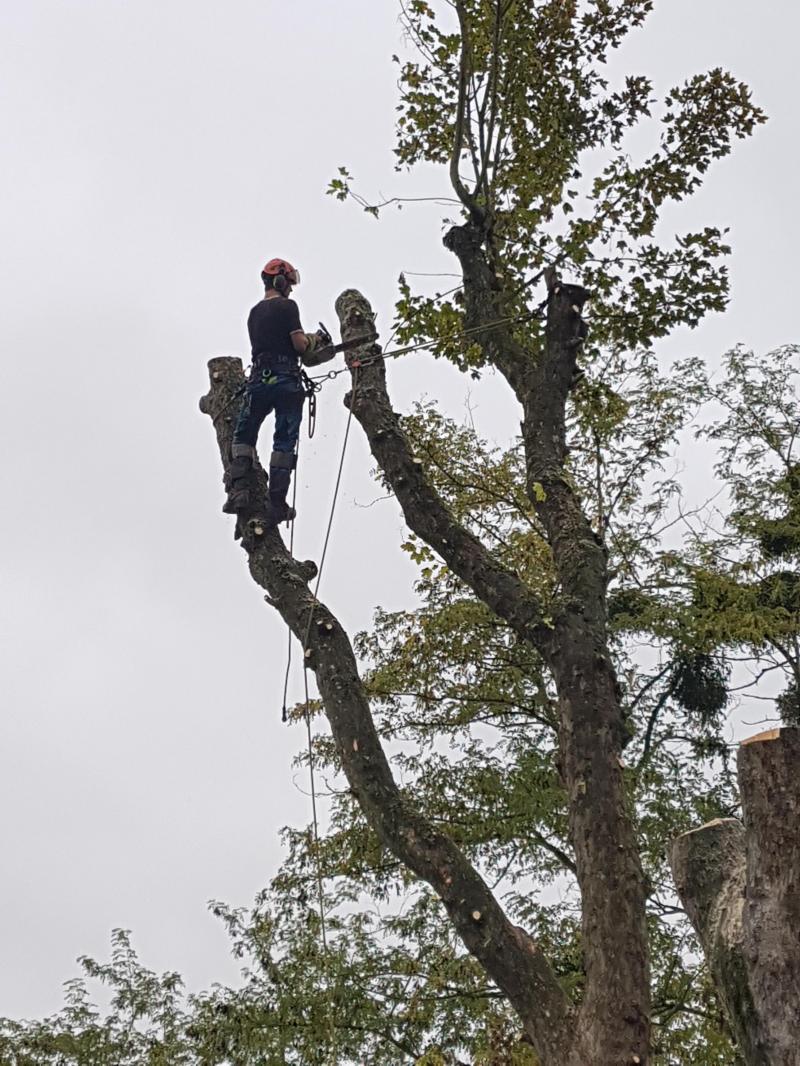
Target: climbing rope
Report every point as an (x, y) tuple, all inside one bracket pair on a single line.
[(284, 712), (334, 500), (313, 783), (318, 872)]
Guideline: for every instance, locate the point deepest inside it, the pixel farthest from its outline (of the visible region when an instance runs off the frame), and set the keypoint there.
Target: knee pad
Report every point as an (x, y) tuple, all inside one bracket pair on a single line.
[(239, 469), (242, 451), (283, 460)]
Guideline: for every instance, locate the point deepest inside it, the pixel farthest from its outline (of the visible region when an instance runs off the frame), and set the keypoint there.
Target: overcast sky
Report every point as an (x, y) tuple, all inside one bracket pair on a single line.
[(157, 153)]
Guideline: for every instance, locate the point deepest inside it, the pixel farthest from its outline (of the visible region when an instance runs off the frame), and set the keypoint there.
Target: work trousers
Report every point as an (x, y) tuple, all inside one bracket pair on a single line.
[(279, 392)]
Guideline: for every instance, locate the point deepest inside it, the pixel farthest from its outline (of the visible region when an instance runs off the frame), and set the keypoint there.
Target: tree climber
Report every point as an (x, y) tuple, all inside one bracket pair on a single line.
[(279, 344)]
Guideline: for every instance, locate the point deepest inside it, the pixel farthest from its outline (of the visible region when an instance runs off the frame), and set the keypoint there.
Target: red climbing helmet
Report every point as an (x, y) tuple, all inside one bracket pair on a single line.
[(281, 268)]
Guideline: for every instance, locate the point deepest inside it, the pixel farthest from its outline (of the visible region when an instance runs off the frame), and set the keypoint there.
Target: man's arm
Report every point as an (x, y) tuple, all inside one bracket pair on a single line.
[(313, 348), (300, 341)]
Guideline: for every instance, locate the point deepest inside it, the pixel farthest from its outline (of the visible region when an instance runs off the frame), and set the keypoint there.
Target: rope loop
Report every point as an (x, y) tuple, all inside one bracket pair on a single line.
[(311, 387)]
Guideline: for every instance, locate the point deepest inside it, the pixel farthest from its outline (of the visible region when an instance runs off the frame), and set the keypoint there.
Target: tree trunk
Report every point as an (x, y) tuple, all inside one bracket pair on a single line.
[(741, 889)]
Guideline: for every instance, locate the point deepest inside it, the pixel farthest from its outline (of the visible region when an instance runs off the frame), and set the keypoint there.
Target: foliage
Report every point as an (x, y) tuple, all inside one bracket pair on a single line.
[(545, 139), (745, 584), (146, 1021)]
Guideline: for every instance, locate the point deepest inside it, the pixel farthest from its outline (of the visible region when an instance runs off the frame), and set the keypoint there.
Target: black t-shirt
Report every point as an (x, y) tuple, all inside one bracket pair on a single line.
[(270, 324)]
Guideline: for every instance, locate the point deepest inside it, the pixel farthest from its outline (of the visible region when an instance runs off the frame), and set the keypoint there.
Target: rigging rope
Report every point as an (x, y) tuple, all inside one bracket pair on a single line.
[(495, 324), (307, 714)]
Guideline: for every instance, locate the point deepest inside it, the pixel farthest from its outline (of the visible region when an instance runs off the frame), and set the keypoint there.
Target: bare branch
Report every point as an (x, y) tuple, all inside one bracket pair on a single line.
[(459, 134)]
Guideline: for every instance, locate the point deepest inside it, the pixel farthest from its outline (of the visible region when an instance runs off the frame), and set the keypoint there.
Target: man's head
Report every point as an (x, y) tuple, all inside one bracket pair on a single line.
[(280, 276)]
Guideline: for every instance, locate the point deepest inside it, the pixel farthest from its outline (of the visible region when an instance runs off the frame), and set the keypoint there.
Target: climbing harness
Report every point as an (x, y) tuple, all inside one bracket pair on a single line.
[(311, 385)]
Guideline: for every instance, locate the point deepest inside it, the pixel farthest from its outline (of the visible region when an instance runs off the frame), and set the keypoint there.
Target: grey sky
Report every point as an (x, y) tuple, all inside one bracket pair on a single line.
[(157, 153)]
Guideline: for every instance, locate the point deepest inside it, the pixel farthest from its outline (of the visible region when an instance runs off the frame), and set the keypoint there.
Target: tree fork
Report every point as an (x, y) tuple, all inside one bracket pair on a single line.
[(740, 885)]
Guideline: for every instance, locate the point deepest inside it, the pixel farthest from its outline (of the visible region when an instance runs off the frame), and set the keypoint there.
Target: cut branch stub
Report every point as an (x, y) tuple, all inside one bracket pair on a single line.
[(357, 319), (708, 867)]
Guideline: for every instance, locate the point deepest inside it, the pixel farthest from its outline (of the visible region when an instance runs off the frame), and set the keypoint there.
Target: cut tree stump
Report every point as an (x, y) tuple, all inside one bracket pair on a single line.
[(740, 885)]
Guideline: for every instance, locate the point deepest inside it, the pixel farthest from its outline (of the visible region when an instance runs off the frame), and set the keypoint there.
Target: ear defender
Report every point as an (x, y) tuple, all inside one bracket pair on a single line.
[(281, 283)]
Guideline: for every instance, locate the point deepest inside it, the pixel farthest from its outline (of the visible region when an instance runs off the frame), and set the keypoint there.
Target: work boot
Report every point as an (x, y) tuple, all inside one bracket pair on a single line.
[(279, 511), (281, 465), (238, 480)]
